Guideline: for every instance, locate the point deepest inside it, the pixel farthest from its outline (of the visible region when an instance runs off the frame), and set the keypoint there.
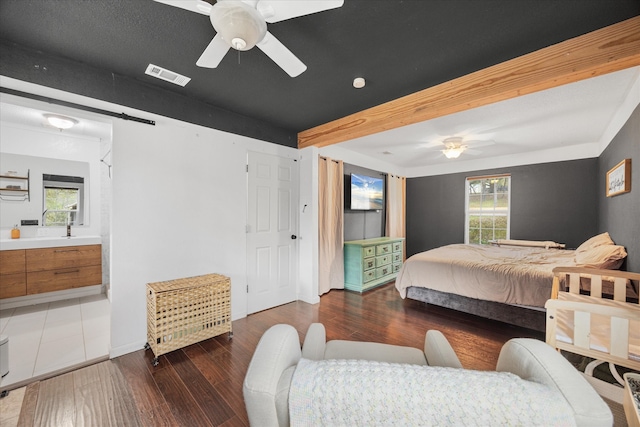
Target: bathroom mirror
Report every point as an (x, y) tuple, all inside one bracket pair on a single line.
[(64, 182)]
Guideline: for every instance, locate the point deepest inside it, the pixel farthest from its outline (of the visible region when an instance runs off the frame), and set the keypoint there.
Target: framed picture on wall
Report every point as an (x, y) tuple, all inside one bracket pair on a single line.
[(619, 178)]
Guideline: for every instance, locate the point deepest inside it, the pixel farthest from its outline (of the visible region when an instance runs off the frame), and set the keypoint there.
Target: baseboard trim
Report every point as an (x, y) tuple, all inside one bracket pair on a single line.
[(50, 297)]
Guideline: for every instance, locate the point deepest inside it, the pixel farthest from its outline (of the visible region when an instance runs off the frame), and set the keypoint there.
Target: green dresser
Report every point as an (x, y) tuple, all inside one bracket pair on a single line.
[(371, 262)]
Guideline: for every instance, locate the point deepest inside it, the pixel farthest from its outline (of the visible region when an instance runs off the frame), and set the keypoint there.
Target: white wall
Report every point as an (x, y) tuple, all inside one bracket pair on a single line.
[(44, 145), (308, 243), (178, 210)]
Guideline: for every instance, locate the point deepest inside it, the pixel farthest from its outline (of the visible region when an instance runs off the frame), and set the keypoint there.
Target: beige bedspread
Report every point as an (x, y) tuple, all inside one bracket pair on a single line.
[(513, 275)]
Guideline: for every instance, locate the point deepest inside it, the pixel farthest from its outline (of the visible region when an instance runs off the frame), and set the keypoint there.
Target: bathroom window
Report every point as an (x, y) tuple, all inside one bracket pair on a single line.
[(63, 200)]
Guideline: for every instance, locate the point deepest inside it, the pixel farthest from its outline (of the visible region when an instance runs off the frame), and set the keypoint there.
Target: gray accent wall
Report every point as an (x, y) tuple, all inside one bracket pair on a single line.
[(549, 201), (620, 215)]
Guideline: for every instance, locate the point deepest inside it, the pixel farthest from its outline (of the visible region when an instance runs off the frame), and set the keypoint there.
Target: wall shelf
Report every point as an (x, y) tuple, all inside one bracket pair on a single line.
[(9, 193)]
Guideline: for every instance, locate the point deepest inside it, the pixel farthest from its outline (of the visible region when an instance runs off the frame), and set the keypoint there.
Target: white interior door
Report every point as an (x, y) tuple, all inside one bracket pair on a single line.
[(272, 229)]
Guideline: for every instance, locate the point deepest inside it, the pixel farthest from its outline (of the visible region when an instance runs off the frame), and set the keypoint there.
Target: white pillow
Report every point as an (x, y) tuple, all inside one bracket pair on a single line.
[(609, 257), (595, 241)]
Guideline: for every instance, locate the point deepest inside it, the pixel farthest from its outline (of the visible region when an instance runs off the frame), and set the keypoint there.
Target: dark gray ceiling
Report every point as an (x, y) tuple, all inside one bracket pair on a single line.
[(400, 47)]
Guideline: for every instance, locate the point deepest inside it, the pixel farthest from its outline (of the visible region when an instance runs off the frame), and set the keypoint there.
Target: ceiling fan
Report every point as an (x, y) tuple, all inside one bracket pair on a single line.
[(242, 24), (454, 146)]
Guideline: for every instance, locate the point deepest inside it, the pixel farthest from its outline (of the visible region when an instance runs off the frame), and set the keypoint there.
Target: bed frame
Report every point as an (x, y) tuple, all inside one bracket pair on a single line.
[(595, 317), (519, 315)]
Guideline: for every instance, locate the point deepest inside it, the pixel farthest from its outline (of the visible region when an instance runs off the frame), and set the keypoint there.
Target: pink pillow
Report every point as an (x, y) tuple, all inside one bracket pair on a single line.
[(609, 257), (595, 241)]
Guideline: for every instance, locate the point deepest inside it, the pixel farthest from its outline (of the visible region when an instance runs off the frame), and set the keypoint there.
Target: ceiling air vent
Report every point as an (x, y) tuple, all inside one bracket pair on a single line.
[(164, 74)]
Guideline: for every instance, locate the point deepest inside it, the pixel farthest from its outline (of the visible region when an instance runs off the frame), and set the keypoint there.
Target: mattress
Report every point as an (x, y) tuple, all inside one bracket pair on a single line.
[(512, 275)]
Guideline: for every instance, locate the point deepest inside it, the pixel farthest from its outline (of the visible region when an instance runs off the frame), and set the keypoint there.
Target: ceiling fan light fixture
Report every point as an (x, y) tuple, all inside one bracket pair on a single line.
[(453, 151), (453, 147), (239, 24), (60, 122)]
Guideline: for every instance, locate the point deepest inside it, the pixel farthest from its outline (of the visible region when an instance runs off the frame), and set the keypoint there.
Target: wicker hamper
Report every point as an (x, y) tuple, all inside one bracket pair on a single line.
[(185, 311)]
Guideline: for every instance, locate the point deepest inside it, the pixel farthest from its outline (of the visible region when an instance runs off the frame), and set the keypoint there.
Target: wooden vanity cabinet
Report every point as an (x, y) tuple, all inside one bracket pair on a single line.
[(13, 277), (59, 268)]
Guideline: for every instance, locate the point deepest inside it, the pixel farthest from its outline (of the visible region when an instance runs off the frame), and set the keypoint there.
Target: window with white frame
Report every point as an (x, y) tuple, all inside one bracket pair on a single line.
[(487, 208), (62, 200)]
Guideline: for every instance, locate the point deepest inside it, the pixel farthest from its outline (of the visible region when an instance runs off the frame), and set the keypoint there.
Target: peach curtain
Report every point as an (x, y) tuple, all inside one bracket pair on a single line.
[(330, 225), (396, 202)]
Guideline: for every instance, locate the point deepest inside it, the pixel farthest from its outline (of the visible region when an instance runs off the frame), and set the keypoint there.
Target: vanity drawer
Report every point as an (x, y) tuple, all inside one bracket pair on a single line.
[(396, 257), (383, 249), (383, 260), (397, 246), (63, 257), (368, 251), (13, 285), (396, 267), (65, 278), (12, 262)]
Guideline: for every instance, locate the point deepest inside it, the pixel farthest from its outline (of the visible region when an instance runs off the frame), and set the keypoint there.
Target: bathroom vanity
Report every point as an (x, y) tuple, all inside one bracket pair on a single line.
[(33, 266)]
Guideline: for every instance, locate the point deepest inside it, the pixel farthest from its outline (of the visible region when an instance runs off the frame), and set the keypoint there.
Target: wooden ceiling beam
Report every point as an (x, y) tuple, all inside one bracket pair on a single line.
[(603, 51)]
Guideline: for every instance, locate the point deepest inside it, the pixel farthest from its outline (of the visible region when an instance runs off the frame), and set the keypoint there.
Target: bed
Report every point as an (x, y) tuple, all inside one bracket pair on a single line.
[(505, 282)]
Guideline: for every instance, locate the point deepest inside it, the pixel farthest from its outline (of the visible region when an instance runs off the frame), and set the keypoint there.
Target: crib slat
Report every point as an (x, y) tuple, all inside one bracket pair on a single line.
[(574, 283), (552, 324), (582, 329), (620, 337), (620, 289), (596, 286)]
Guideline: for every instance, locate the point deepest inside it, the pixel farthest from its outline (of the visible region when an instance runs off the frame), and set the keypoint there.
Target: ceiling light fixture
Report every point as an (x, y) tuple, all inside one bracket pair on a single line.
[(453, 151), (453, 147), (239, 24), (358, 82), (60, 122)]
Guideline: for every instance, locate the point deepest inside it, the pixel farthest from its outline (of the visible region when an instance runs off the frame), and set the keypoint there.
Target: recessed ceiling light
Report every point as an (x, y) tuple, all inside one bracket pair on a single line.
[(387, 152), (60, 122), (358, 82)]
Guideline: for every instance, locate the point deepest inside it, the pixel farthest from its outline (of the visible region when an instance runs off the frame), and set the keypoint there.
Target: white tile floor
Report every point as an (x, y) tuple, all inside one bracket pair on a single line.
[(47, 337)]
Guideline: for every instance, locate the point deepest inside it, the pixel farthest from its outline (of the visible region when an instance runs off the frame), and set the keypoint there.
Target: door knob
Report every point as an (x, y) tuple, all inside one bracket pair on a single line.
[(294, 237)]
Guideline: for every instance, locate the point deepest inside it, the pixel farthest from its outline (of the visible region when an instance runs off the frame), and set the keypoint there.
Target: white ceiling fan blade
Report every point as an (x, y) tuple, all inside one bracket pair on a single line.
[(282, 56), (279, 10), (472, 152), (197, 6), (433, 144), (480, 143), (214, 53)]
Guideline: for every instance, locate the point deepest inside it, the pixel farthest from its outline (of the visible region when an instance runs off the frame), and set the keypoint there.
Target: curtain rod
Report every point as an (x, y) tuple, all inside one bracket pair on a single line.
[(331, 160), (501, 175), (48, 100)]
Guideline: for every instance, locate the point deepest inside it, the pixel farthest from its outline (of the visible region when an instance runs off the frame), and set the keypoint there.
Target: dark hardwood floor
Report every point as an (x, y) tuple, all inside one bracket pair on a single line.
[(201, 385)]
